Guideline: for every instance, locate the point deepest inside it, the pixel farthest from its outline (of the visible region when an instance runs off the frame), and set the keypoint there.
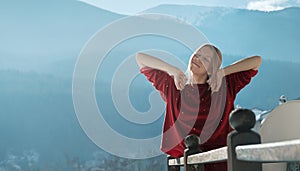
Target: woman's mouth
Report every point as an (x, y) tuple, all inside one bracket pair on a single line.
[(196, 64)]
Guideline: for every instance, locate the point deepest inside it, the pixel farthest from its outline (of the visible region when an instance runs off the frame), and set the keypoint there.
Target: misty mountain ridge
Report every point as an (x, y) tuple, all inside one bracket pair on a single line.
[(273, 35), (47, 37), (196, 15)]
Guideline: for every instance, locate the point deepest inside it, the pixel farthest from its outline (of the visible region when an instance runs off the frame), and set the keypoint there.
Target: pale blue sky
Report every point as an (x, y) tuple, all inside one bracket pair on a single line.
[(135, 6)]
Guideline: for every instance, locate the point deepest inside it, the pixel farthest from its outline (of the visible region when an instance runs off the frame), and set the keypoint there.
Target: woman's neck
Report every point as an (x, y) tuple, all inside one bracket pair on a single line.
[(200, 79)]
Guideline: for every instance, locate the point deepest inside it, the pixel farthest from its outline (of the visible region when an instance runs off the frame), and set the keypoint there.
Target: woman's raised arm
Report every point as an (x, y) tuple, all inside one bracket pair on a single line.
[(245, 64), (145, 60)]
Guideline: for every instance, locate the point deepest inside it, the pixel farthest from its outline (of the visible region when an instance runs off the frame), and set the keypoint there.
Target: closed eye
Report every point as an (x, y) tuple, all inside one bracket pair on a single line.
[(198, 55)]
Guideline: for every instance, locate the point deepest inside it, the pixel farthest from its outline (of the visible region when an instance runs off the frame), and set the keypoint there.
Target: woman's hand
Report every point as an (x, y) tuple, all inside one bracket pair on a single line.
[(215, 80), (179, 78)]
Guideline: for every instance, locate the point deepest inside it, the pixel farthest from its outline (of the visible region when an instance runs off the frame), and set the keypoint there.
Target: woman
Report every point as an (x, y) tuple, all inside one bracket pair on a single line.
[(200, 104)]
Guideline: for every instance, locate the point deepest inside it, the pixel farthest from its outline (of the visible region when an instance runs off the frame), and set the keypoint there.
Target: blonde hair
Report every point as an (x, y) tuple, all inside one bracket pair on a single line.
[(216, 61)]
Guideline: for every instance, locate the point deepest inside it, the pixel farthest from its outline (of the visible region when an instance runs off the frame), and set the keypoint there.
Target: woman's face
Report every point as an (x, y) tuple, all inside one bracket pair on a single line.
[(201, 61)]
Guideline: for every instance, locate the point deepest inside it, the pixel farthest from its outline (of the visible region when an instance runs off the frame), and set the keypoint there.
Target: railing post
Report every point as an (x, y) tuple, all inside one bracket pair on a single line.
[(192, 144), (242, 120)]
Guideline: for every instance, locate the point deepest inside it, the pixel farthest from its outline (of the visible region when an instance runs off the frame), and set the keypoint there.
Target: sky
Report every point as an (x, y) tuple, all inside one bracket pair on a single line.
[(130, 7)]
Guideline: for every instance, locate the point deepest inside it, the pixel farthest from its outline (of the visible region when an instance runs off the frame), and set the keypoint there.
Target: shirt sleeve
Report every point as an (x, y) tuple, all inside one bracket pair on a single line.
[(239, 80), (161, 80)]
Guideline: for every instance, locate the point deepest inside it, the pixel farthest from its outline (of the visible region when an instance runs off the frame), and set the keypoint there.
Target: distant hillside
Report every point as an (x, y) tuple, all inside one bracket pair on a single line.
[(274, 35), (275, 78), (36, 33)]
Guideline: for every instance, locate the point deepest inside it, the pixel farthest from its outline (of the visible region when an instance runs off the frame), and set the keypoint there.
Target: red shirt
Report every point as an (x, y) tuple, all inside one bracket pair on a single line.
[(190, 108)]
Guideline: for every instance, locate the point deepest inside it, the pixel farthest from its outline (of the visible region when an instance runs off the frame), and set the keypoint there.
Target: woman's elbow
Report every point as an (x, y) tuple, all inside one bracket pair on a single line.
[(258, 61), (138, 58)]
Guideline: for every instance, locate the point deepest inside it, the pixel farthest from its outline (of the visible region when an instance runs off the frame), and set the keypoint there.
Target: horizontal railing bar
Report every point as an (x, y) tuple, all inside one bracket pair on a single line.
[(176, 162), (216, 155), (283, 151)]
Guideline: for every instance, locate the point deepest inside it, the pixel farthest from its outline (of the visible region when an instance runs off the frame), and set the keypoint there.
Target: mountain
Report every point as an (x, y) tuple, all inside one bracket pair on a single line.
[(273, 35), (36, 33), (38, 36)]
